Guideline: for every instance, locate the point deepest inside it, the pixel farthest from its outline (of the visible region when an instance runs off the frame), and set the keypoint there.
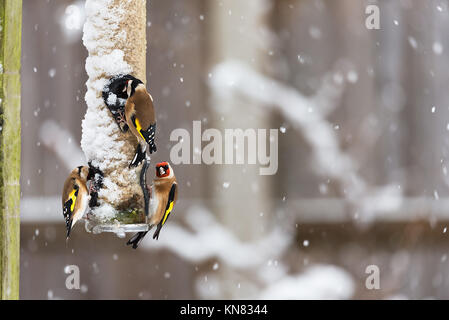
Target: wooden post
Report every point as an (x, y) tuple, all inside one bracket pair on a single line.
[(10, 37)]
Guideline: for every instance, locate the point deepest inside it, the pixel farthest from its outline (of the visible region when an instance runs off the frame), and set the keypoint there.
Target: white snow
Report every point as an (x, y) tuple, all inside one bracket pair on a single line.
[(437, 48), (315, 33), (52, 72), (112, 98), (352, 76), (84, 288), (61, 142), (210, 239), (73, 17), (317, 282), (412, 42), (308, 116)]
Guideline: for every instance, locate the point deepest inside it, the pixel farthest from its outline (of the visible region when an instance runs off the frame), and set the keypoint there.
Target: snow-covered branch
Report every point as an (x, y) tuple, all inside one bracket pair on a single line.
[(307, 116), (301, 111), (317, 282), (210, 239), (262, 258), (62, 143)]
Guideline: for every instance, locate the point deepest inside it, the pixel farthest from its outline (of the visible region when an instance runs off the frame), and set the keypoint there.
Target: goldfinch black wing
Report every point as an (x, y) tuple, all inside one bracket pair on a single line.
[(144, 112), (168, 210), (148, 134), (69, 207)]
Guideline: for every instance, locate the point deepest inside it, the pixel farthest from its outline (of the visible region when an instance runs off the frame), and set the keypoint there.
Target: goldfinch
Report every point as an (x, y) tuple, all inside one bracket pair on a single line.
[(140, 117), (114, 96), (75, 197), (164, 193)]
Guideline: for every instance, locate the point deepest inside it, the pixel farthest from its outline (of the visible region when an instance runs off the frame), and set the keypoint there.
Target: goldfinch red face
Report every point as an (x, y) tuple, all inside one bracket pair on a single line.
[(162, 170)]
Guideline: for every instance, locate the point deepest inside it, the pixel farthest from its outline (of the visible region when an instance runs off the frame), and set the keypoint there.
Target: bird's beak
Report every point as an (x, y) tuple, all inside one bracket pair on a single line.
[(161, 171), (126, 86)]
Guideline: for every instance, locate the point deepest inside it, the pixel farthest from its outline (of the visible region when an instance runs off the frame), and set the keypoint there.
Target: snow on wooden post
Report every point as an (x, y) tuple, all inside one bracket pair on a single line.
[(115, 37), (10, 37)]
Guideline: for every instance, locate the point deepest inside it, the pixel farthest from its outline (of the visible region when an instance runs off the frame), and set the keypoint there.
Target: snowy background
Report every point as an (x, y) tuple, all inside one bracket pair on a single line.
[(363, 150)]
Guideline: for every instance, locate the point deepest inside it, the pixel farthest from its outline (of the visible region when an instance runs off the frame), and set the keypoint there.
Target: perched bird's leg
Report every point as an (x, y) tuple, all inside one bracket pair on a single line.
[(121, 120), (120, 117), (163, 190), (143, 185), (92, 188), (95, 179), (136, 239)]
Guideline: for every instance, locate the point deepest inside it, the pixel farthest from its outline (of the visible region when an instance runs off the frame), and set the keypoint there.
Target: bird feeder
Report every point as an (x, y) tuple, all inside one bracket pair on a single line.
[(115, 38)]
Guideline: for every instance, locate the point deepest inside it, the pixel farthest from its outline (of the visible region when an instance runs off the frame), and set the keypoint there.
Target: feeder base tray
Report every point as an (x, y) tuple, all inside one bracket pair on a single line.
[(119, 229)]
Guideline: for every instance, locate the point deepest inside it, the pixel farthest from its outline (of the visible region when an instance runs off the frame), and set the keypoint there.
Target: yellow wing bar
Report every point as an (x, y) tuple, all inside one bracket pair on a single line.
[(73, 197), (167, 212), (139, 127)]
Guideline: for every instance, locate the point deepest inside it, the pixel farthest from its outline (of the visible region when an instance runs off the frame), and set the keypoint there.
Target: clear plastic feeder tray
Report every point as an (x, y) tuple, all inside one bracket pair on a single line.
[(129, 222)]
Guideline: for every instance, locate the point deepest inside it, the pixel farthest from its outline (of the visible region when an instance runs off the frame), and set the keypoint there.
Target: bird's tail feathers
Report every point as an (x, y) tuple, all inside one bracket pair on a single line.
[(138, 157), (143, 185), (136, 239), (158, 230)]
